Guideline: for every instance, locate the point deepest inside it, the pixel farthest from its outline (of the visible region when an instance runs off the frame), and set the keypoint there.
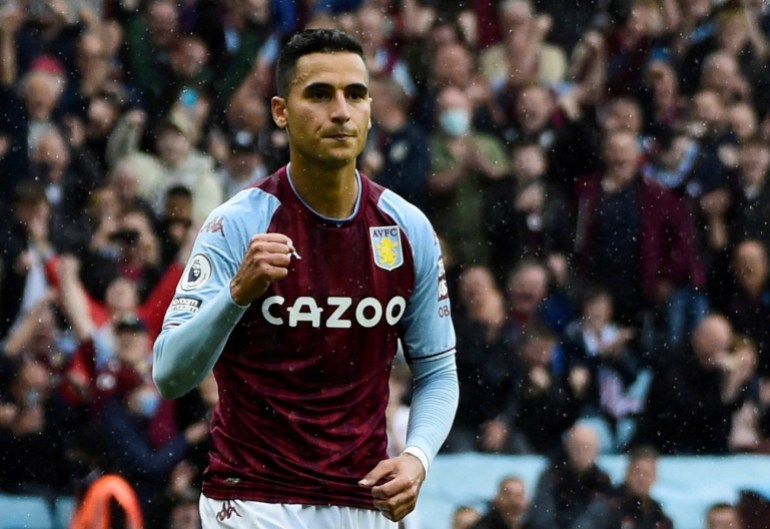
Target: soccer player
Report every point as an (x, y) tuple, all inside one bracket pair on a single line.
[(297, 294)]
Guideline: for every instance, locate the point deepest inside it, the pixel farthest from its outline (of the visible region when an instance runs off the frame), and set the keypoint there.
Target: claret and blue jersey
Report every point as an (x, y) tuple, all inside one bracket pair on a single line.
[(309, 360)]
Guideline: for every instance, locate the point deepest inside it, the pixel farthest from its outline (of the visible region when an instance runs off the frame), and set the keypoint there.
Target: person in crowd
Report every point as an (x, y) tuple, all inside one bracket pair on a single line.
[(572, 484), (631, 506), (243, 165), (542, 386), (618, 384), (723, 515), (636, 239), (750, 430), (748, 303), (27, 247), (508, 509), (706, 378), (522, 54), (464, 517), (177, 162), (526, 214), (397, 155), (33, 430), (464, 162), (485, 360)]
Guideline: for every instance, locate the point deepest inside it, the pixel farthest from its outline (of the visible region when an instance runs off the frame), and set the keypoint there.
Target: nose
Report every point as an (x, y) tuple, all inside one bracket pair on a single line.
[(340, 111)]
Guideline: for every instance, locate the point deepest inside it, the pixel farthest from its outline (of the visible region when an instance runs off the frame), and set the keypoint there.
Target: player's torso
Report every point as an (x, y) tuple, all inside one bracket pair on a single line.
[(309, 361)]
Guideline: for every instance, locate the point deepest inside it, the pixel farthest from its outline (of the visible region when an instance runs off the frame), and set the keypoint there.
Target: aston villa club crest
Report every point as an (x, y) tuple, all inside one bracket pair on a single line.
[(386, 247)]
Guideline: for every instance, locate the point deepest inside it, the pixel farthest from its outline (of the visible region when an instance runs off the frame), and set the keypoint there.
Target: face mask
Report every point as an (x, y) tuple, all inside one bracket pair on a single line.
[(455, 121), (148, 404)]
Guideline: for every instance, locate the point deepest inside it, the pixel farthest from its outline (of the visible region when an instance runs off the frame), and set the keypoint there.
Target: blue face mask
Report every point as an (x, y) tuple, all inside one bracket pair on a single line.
[(148, 404), (455, 121)]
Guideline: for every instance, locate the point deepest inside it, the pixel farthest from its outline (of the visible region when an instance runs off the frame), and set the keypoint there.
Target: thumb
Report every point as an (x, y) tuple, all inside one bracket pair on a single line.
[(375, 475)]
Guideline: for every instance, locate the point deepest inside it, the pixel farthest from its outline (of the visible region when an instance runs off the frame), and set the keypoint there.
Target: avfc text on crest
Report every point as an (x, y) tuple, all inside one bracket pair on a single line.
[(386, 247)]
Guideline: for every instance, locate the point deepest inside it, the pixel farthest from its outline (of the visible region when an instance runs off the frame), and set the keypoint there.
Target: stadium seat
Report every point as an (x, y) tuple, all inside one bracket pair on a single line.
[(64, 509), (24, 512)]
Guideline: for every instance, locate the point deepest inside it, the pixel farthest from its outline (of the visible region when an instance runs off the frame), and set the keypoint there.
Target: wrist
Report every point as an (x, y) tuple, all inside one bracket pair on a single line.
[(421, 456)]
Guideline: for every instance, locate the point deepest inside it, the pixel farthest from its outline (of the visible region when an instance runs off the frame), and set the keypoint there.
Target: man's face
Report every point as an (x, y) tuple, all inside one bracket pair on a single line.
[(724, 519), (641, 475), (327, 111)]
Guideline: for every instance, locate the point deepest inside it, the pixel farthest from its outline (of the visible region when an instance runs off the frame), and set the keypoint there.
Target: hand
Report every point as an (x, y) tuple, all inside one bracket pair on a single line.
[(196, 432), (267, 259), (395, 484)]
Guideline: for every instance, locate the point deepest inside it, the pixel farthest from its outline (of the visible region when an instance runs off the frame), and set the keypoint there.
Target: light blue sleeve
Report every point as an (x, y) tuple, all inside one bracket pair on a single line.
[(202, 314), (429, 337)]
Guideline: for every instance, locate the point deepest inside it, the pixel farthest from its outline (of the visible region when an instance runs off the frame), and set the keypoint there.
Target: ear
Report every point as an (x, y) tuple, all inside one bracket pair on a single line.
[(278, 109)]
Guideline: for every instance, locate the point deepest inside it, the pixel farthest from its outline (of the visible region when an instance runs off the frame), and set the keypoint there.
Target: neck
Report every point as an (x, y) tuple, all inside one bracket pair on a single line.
[(331, 192)]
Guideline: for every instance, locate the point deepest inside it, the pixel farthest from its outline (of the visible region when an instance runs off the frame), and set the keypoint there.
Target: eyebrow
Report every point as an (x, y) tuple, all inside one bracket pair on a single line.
[(326, 86)]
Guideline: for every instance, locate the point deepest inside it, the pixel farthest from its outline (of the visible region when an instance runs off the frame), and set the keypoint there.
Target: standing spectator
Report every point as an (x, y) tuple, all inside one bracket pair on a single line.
[(522, 55), (634, 238), (464, 163), (508, 509), (709, 388), (177, 162), (397, 156), (485, 360), (243, 166), (540, 389), (33, 434), (151, 34), (748, 303), (618, 384), (26, 249), (749, 213), (570, 486), (526, 214)]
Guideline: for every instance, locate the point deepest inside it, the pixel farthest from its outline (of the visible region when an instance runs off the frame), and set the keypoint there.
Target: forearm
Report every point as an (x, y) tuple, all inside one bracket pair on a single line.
[(185, 354), (433, 404)]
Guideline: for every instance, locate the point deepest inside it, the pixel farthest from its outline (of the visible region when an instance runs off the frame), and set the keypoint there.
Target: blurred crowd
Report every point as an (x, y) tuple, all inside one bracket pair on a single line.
[(595, 171)]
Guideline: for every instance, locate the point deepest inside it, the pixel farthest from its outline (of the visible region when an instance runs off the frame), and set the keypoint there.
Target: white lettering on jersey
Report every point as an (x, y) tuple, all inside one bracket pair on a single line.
[(341, 304), (312, 314), (367, 313)]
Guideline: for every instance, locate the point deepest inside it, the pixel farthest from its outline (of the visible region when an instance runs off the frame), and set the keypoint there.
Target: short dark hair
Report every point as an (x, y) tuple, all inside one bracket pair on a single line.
[(310, 41)]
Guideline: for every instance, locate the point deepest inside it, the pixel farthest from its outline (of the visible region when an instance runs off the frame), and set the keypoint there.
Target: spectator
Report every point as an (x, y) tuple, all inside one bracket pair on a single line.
[(571, 484), (177, 162), (749, 428), (540, 388), (749, 211), (33, 428), (634, 238), (508, 509), (243, 165), (703, 379), (522, 55), (397, 156), (464, 163), (631, 506), (748, 305), (526, 214), (26, 248), (464, 517), (723, 515), (382, 56), (485, 359), (618, 384)]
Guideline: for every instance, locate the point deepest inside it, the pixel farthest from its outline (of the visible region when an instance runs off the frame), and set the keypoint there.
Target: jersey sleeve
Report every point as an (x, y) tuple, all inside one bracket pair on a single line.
[(202, 313), (428, 329), (429, 337)]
